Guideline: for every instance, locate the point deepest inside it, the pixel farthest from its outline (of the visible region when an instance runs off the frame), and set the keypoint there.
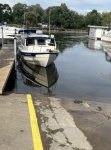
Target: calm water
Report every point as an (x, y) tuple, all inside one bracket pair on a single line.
[(82, 70)]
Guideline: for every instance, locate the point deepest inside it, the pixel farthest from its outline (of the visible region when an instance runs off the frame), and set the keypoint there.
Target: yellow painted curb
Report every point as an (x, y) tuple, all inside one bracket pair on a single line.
[(34, 125)]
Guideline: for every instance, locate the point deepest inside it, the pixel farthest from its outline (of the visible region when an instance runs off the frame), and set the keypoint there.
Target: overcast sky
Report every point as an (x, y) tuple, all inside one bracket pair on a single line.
[(81, 6)]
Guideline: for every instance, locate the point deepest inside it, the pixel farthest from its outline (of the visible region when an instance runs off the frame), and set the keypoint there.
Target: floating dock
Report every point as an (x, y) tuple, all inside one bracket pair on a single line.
[(6, 64)]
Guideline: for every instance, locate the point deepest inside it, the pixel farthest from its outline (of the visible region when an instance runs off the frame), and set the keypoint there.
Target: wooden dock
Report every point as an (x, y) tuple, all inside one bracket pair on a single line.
[(6, 64)]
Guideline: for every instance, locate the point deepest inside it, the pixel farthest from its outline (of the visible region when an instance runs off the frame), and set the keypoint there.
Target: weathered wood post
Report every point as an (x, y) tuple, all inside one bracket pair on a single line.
[(2, 36), (15, 52)]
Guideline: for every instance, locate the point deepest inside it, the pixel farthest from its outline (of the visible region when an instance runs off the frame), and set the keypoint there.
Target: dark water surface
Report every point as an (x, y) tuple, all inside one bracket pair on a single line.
[(81, 71)]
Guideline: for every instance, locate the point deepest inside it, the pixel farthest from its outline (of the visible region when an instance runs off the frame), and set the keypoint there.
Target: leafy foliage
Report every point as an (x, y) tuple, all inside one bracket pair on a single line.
[(59, 16), (5, 13), (18, 12), (93, 18), (106, 18)]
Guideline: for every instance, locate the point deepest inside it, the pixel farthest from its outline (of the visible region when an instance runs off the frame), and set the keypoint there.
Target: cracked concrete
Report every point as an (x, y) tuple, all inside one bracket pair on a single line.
[(69, 124), (65, 124), (61, 128)]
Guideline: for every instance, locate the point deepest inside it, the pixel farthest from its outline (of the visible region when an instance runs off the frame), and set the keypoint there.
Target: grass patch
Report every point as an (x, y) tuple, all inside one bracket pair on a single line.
[(75, 148), (45, 119), (77, 101)]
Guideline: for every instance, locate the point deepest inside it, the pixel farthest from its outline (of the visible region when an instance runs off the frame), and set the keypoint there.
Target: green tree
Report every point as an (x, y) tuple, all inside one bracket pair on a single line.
[(93, 18), (5, 13), (106, 18), (38, 11), (63, 17), (18, 12), (75, 20), (1, 12), (58, 15), (30, 18)]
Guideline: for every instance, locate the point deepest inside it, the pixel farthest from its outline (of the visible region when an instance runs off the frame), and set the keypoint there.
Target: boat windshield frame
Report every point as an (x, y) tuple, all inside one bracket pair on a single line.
[(40, 41)]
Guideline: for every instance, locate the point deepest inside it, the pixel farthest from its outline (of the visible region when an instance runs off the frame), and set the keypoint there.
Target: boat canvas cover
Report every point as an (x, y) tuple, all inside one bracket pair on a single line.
[(27, 31)]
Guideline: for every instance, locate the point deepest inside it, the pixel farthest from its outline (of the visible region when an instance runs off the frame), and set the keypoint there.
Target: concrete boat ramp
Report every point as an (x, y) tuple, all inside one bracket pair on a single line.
[(6, 64), (40, 122), (53, 123)]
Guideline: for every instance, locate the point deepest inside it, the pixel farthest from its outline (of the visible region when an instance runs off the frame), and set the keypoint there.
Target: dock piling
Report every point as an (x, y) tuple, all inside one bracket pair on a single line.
[(2, 36), (15, 52)]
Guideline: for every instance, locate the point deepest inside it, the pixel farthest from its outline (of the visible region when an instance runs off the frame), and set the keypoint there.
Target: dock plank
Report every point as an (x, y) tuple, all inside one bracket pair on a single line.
[(6, 64)]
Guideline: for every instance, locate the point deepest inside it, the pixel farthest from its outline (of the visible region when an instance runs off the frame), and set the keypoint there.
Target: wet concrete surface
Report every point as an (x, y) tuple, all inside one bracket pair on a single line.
[(70, 124), (65, 124)]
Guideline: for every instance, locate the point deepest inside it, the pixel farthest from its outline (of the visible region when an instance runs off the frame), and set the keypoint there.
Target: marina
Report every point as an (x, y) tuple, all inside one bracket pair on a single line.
[(78, 81), (102, 33), (55, 76), (83, 67), (26, 45)]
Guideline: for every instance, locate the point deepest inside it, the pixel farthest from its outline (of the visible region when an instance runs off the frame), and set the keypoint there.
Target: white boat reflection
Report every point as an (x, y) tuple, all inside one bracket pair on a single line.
[(107, 50), (37, 76), (95, 44), (101, 45)]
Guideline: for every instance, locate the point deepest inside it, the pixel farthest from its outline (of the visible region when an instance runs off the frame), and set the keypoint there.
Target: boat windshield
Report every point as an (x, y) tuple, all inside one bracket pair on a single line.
[(30, 42), (35, 42), (41, 41), (52, 42)]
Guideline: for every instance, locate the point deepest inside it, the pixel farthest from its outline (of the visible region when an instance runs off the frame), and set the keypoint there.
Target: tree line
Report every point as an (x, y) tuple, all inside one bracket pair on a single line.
[(59, 16)]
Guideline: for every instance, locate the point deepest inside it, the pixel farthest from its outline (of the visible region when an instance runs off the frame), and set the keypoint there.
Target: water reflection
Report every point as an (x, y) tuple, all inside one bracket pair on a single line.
[(101, 45), (95, 44), (65, 41), (107, 50), (83, 70), (37, 76)]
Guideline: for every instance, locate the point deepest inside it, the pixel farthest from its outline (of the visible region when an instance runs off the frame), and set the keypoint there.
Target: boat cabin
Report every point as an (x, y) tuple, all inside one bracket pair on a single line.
[(96, 32), (29, 41)]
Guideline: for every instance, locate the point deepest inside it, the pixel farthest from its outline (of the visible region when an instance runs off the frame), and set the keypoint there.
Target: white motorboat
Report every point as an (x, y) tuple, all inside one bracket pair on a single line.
[(37, 48), (8, 33), (101, 33), (107, 36), (38, 76)]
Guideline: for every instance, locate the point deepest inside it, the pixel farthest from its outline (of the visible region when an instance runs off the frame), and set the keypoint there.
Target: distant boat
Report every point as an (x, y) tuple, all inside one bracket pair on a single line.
[(8, 33), (106, 37), (38, 76), (96, 32), (102, 33), (37, 48)]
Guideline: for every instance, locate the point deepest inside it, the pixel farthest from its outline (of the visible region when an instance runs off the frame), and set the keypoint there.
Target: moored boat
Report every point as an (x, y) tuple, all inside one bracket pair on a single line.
[(8, 33), (106, 37), (102, 33), (38, 48)]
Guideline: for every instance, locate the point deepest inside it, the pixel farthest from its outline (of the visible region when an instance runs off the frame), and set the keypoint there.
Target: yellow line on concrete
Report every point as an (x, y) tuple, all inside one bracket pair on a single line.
[(34, 125)]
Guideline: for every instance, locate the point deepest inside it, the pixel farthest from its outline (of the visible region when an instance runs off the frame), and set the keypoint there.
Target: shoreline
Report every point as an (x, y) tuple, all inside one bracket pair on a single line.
[(65, 31)]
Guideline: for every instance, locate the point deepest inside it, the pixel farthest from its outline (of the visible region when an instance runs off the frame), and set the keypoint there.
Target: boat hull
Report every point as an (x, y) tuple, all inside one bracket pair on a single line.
[(42, 59), (106, 38)]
